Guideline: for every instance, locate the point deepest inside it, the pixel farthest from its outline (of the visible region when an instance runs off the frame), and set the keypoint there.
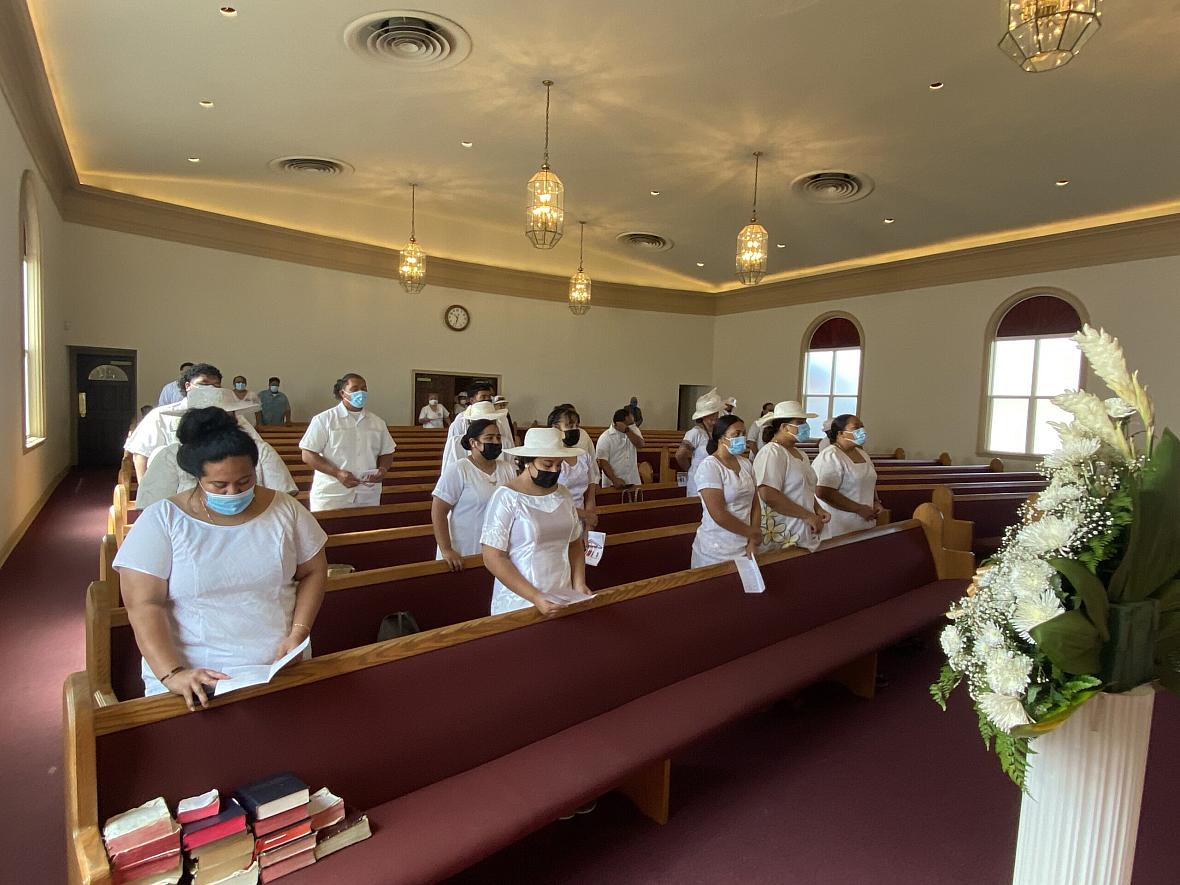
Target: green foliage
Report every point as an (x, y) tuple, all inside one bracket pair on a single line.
[(948, 679), (1070, 641), (1153, 553), (1013, 753), (1089, 589), (1101, 554)]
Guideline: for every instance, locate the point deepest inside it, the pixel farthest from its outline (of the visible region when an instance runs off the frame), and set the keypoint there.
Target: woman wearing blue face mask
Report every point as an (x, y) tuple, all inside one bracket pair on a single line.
[(225, 574), (791, 515), (846, 479), (731, 523)]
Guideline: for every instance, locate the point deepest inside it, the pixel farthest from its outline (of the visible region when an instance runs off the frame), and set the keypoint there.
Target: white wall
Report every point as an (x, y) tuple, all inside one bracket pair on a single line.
[(924, 349), (259, 317), (27, 476)]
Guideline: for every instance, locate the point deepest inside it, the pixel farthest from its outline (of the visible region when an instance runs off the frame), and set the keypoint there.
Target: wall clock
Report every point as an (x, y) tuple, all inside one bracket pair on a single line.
[(457, 318)]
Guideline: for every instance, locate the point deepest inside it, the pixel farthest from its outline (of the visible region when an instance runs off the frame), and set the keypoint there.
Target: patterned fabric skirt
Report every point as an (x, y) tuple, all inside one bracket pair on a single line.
[(781, 532)]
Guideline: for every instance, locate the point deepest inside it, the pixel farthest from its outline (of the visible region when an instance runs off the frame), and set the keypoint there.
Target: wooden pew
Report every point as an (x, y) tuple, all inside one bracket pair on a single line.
[(641, 668), (903, 498), (977, 522)]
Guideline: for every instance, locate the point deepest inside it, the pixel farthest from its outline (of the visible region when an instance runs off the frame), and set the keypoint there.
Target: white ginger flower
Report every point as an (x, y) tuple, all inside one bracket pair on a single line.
[(1106, 358), (952, 641), (989, 636), (1047, 535), (1004, 712), (1118, 408), (1008, 672), (1090, 412), (1071, 431), (1073, 451), (1034, 609)]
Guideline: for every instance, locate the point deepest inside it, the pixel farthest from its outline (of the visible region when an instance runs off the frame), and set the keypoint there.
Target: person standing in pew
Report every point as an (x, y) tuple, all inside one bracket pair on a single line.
[(173, 391), (731, 524), (480, 393), (276, 408), (532, 536), (226, 574), (617, 452), (846, 479), (460, 499), (349, 448), (694, 447), (636, 412), (246, 395), (580, 472), (434, 415), (754, 432), (791, 515)]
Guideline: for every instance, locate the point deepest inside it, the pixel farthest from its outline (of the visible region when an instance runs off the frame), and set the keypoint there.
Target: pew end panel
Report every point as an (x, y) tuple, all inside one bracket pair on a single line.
[(944, 458), (98, 642), (859, 676), (950, 563), (957, 534), (649, 789), (86, 859), (108, 575)]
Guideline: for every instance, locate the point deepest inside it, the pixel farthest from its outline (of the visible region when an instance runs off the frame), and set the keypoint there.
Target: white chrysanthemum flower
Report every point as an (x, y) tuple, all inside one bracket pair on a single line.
[(1059, 493), (1008, 672), (989, 636), (1118, 408), (1029, 576), (1004, 712), (951, 640), (1075, 450), (1034, 609), (1047, 535)]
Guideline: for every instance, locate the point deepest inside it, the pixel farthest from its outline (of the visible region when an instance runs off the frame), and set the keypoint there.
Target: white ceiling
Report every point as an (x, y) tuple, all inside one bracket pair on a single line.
[(670, 96)]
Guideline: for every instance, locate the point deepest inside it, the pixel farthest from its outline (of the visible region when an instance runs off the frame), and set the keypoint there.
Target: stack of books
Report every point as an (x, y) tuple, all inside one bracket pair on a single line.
[(335, 826), (220, 849), (280, 818), (144, 845)]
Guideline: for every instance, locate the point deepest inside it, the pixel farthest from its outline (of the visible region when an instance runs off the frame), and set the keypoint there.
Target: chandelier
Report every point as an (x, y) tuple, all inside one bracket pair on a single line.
[(544, 218), (411, 270), (580, 283), (751, 242), (1043, 35)]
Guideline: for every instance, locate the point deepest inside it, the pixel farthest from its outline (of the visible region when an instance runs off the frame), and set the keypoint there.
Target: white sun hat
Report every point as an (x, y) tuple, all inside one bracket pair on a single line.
[(203, 397), (483, 411), (543, 442), (709, 404), (732, 401), (789, 409)]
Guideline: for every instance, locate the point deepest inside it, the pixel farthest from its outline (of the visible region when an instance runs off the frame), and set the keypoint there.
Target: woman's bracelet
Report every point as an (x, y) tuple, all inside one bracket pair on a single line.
[(304, 626), (170, 674)]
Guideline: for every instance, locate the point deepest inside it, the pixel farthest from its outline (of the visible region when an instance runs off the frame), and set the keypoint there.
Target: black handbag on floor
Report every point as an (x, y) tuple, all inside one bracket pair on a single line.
[(397, 624)]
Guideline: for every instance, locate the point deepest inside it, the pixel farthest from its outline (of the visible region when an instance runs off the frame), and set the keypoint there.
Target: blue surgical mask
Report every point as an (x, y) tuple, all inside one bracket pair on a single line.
[(274, 388), (859, 436), (737, 445), (229, 505), (358, 398), (802, 432), (239, 385)]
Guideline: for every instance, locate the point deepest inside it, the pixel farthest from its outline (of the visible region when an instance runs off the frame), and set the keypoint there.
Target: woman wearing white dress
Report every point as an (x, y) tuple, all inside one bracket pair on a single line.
[(791, 515), (532, 536), (226, 574), (580, 473), (846, 479), (731, 524), (694, 447), (460, 499)]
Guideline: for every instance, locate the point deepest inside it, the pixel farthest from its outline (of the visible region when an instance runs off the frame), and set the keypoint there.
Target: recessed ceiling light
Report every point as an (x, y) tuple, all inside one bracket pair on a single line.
[(936, 85), (194, 159), (1062, 182), (467, 143), (889, 220), (205, 103), (655, 193), (700, 264), (780, 245), (228, 11)]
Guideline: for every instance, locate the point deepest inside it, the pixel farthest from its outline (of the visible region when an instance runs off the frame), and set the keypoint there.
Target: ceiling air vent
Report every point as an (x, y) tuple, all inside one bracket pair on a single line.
[(645, 241), (833, 187), (408, 39), (324, 166)]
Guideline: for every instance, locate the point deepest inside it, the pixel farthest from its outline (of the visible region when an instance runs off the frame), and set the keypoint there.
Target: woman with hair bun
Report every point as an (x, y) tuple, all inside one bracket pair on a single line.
[(846, 479), (225, 574), (461, 496), (731, 522)]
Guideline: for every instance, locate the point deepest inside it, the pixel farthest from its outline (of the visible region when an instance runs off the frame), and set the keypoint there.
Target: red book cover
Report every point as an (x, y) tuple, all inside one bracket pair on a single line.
[(273, 840), (279, 821), (140, 853), (198, 808), (155, 866), (228, 822), (290, 849), (325, 809), (290, 865), (138, 826)]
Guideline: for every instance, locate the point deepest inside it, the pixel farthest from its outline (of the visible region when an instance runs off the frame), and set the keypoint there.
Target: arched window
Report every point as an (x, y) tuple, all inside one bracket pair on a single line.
[(832, 359), (1031, 360), (33, 358)]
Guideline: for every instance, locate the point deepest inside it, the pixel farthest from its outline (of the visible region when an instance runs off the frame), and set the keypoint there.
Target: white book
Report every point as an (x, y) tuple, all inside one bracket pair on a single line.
[(751, 575)]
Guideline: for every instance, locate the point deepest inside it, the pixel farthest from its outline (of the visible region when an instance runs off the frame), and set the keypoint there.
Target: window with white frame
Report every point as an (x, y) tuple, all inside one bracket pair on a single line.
[(1032, 360), (32, 349), (831, 371)]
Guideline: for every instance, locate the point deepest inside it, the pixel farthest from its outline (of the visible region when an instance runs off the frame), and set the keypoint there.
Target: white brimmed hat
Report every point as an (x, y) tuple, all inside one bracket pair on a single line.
[(203, 397), (543, 442), (789, 409), (732, 402), (483, 411), (709, 404)]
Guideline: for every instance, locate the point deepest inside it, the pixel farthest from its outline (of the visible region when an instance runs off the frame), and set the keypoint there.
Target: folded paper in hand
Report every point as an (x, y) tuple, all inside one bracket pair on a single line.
[(751, 575), (257, 674), (367, 476), (595, 544)]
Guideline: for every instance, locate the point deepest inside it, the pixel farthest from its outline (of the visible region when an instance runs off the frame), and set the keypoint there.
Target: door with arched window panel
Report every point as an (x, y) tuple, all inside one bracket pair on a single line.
[(832, 361), (1031, 360), (104, 386)]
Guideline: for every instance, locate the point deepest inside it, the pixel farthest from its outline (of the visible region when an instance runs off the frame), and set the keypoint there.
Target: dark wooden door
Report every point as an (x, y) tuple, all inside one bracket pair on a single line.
[(105, 385), (448, 386)]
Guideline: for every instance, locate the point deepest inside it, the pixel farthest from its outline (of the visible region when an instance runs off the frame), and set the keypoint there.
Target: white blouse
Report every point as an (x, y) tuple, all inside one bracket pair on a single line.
[(468, 489), (714, 543), (536, 532), (164, 478), (231, 588), (578, 476), (857, 482), (353, 441), (776, 467), (697, 439)]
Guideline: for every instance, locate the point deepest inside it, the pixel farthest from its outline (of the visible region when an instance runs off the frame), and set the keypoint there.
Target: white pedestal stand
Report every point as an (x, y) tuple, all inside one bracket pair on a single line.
[(1079, 822)]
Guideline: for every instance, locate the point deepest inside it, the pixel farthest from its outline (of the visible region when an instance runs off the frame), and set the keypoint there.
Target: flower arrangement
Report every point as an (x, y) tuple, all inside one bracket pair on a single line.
[(1083, 595)]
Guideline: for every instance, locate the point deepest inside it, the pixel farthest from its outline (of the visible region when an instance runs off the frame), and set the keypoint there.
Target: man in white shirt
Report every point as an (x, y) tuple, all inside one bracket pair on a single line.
[(171, 392), (434, 415), (350, 449), (617, 451), (480, 393)]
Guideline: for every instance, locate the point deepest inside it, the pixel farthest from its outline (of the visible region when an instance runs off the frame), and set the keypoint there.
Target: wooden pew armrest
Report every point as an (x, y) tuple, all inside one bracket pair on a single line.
[(86, 860)]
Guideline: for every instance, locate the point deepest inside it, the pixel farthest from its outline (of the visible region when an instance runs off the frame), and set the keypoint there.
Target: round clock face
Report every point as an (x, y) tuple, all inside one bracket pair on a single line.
[(457, 317)]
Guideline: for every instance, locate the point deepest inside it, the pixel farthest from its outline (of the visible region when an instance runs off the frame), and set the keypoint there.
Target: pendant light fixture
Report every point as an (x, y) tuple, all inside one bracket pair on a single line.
[(411, 270), (1043, 35), (752, 242), (580, 283), (544, 220)]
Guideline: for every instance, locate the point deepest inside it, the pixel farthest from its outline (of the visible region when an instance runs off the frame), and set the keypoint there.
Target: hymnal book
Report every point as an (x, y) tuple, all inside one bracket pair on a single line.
[(197, 808), (279, 821), (213, 867), (231, 820), (140, 853), (290, 865), (751, 575), (248, 876), (223, 849), (325, 808), (354, 828), (272, 795), (281, 837), (595, 545), (163, 870), (136, 827), (245, 675), (289, 849)]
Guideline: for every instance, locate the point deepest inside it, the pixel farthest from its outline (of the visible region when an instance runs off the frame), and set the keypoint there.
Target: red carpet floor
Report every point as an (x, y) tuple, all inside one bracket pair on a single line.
[(826, 789)]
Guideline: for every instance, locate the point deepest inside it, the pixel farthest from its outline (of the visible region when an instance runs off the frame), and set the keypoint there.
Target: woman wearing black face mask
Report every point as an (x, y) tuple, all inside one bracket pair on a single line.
[(532, 536), (580, 473), (461, 497)]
